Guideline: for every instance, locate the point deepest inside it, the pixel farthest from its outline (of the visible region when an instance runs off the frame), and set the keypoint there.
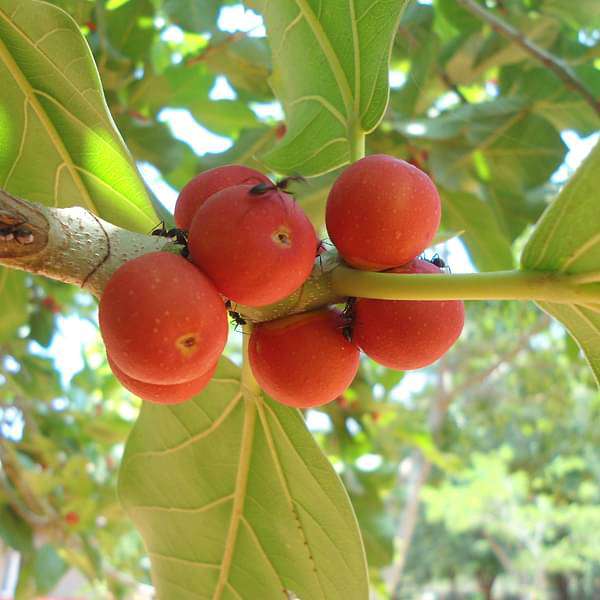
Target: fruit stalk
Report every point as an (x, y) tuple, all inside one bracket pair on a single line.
[(499, 285)]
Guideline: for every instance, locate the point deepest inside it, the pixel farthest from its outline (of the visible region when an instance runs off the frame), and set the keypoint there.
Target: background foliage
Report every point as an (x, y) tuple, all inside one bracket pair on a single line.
[(479, 476)]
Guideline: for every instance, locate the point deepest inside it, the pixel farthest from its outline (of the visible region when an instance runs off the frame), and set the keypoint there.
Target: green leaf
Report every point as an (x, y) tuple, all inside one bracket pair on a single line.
[(245, 62), (41, 323), (13, 302), (59, 143), (234, 499), (129, 29), (567, 240), (488, 244), (330, 71), (48, 568), (193, 15), (15, 531)]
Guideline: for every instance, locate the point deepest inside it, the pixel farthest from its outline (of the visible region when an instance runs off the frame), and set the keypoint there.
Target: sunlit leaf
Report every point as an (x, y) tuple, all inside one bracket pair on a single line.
[(59, 143), (567, 240)]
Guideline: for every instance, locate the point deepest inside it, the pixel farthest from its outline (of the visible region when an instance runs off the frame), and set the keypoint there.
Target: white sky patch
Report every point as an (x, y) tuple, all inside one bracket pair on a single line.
[(397, 79), (238, 18), (579, 148), (318, 422), (413, 382), (222, 90), (268, 110), (72, 336), (162, 190), (369, 462), (352, 426), (416, 128), (188, 130), (172, 34)]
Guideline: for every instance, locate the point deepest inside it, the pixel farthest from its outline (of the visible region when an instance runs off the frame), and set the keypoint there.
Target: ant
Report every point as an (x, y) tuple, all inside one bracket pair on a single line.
[(348, 315), (13, 229), (236, 318), (281, 185), (179, 236), (439, 262)]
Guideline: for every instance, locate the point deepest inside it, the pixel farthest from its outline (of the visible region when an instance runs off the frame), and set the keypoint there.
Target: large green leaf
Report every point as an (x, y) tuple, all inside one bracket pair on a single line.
[(235, 500), (59, 143), (567, 240), (330, 71)]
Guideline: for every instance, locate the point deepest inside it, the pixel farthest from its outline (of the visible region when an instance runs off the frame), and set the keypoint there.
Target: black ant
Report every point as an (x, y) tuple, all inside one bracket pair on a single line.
[(179, 236), (348, 315), (16, 231), (281, 185), (439, 262), (236, 318)]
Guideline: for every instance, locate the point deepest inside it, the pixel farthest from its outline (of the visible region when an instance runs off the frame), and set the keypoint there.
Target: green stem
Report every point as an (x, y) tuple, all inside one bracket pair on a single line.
[(500, 285), (356, 137)]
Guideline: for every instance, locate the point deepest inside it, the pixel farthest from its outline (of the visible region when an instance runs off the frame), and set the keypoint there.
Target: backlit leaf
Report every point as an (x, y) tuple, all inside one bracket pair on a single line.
[(59, 143), (330, 71), (235, 500), (567, 240)]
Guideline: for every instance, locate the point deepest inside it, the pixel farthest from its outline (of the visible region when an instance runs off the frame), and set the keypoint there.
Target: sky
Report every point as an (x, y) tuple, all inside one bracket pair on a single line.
[(74, 334)]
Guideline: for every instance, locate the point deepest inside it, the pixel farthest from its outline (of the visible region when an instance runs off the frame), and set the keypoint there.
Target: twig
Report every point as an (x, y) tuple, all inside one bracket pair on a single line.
[(214, 48), (451, 85), (551, 62)]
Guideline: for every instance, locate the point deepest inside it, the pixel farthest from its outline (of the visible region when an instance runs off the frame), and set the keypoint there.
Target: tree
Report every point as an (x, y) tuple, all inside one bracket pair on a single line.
[(230, 492)]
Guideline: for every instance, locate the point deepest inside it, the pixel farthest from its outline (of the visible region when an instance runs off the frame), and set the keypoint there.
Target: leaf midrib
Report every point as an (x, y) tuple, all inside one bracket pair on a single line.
[(330, 55), (239, 497)]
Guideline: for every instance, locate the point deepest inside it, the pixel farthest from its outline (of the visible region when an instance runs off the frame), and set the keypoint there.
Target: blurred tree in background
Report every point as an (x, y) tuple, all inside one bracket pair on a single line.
[(476, 478)]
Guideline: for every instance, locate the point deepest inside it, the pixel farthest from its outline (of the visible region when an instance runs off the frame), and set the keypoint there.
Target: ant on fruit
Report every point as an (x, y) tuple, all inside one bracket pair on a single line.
[(348, 318), (179, 236), (439, 262), (282, 185)]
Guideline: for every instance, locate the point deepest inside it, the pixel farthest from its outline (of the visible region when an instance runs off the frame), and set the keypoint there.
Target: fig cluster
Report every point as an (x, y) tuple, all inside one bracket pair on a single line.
[(163, 316)]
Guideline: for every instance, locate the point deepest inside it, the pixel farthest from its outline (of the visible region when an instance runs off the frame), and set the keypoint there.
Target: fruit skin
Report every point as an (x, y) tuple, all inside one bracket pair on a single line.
[(303, 360), (407, 334), (163, 394), (257, 249), (162, 320), (382, 212), (204, 185)]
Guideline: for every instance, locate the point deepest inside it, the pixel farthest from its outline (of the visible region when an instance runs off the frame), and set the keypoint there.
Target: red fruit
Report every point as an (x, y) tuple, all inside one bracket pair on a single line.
[(162, 319), (163, 394), (303, 360), (257, 248), (203, 186), (72, 518), (407, 334), (382, 212)]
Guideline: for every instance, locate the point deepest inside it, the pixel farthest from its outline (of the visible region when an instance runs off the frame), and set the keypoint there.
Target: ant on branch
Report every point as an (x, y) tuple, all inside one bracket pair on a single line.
[(236, 317), (282, 185), (348, 315), (179, 236), (12, 228)]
